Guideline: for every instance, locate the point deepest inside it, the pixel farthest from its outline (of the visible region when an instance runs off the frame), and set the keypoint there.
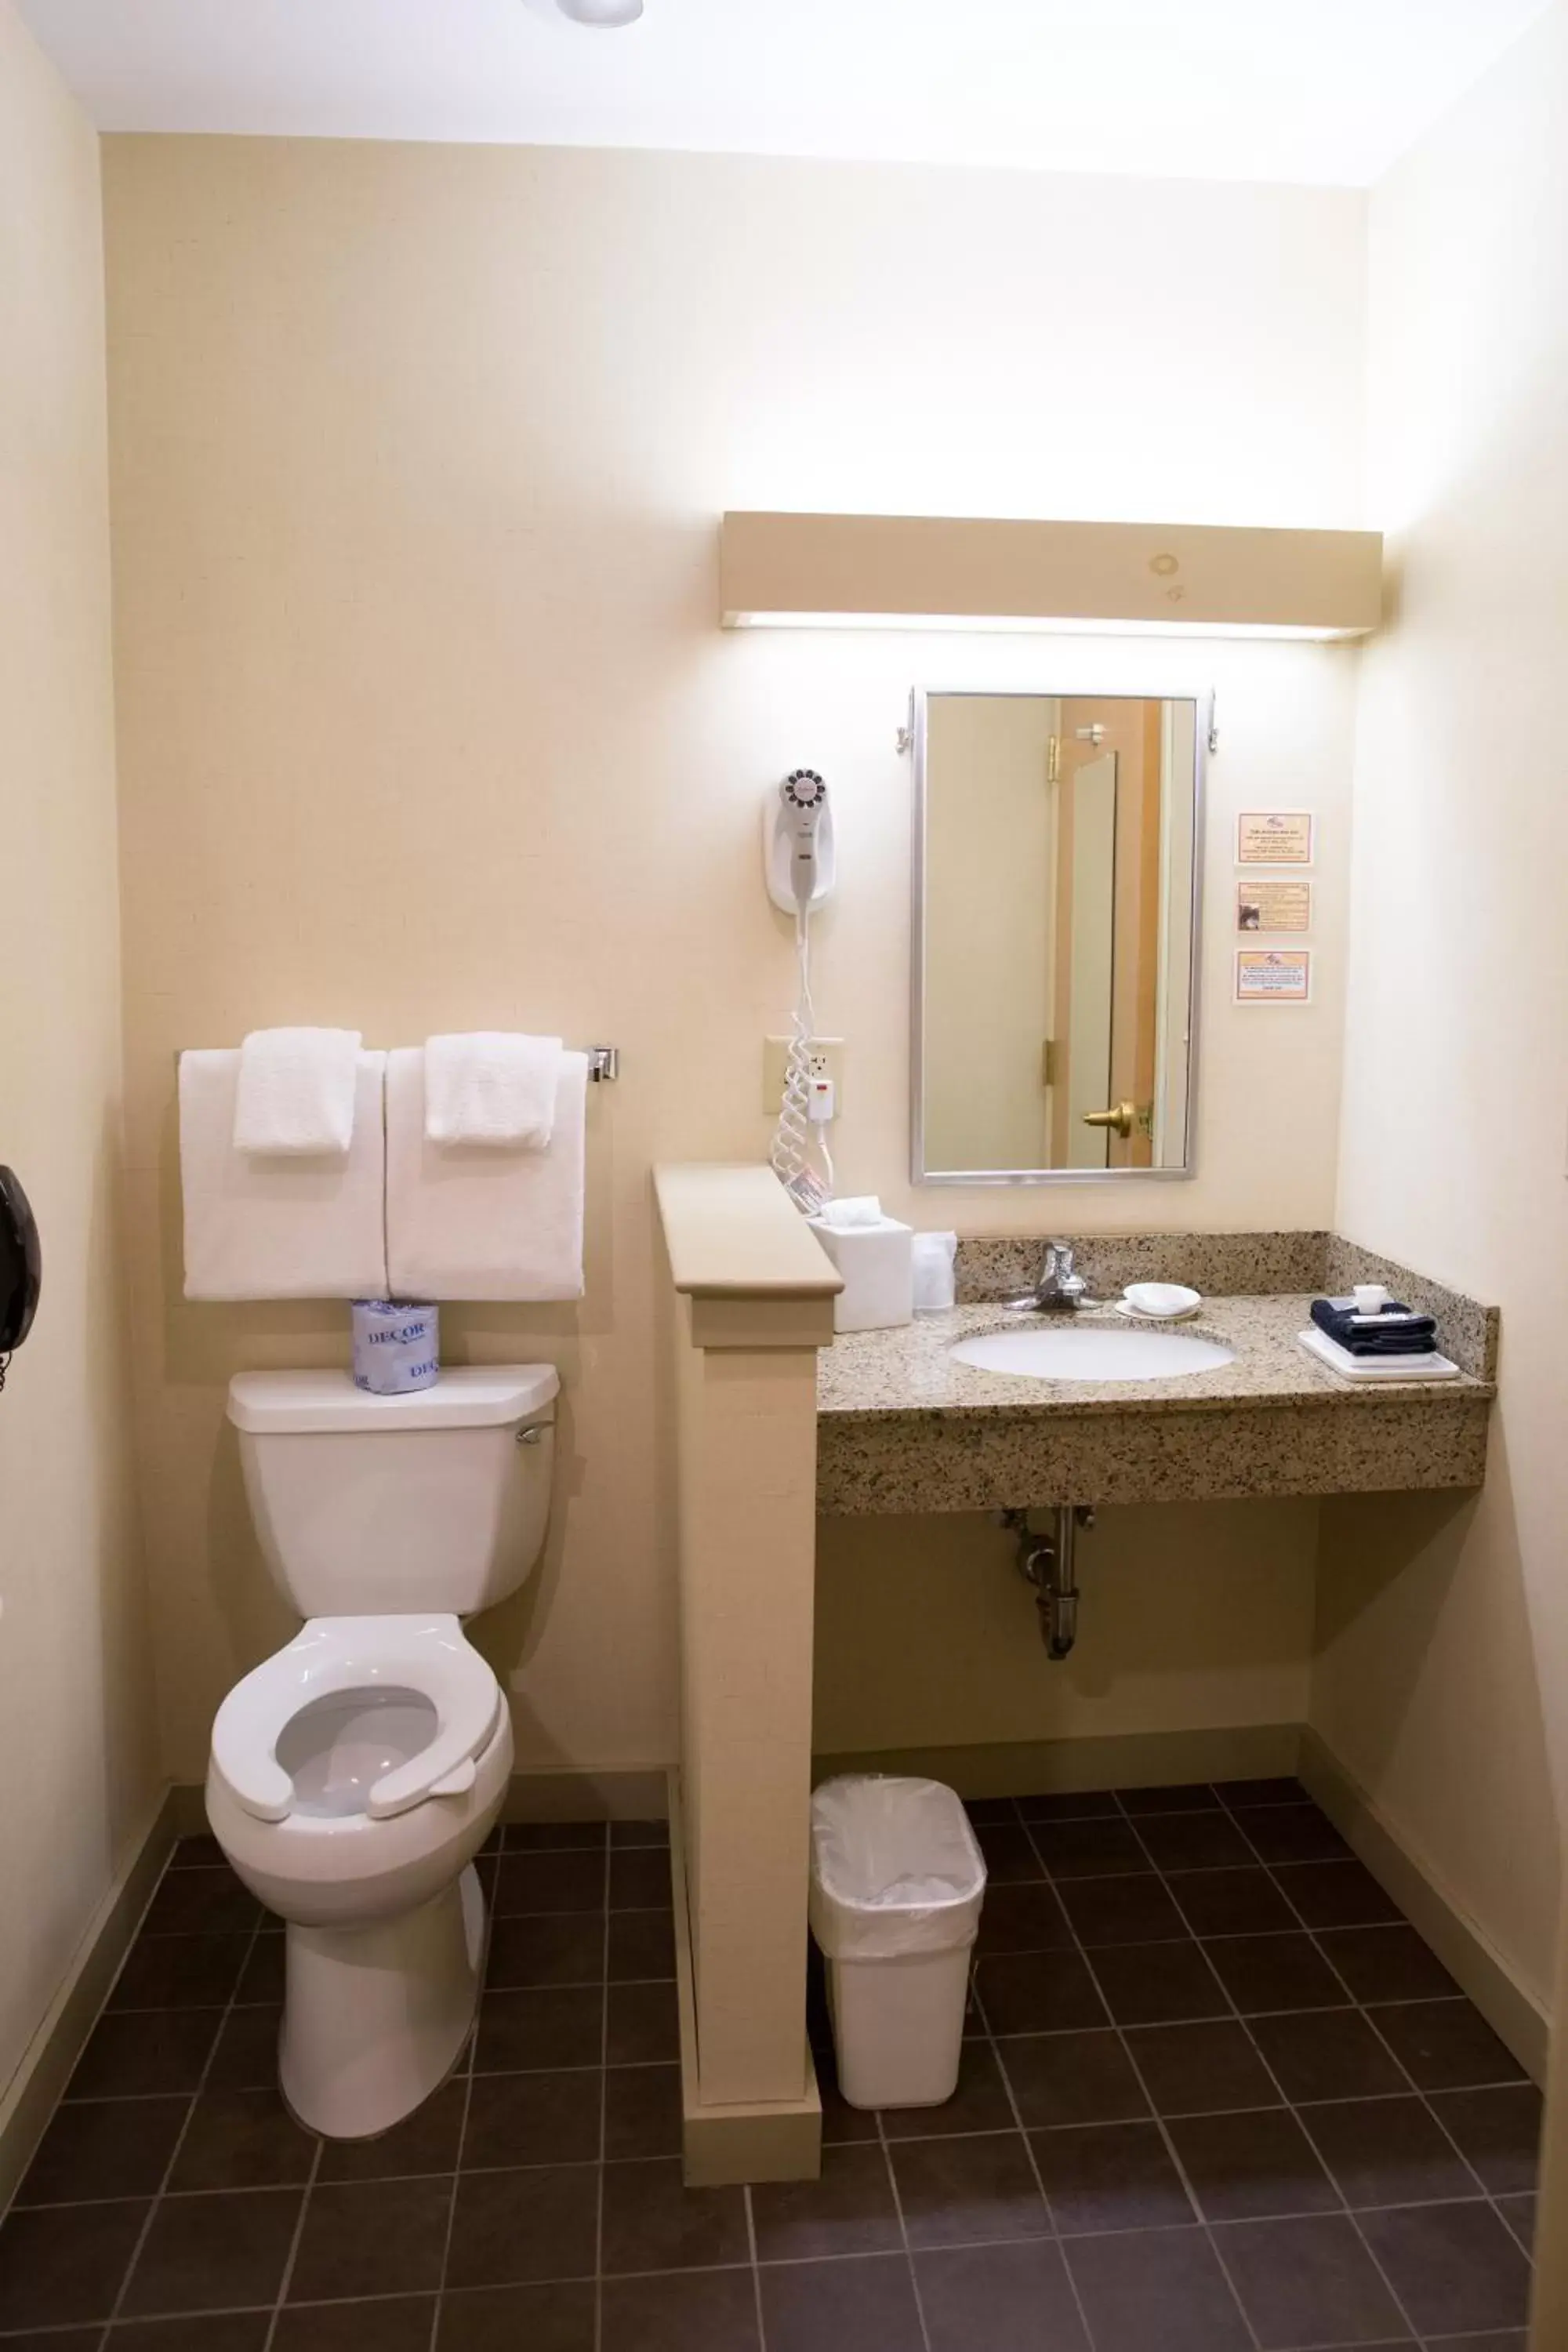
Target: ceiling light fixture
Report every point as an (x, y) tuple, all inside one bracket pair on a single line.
[(609, 13)]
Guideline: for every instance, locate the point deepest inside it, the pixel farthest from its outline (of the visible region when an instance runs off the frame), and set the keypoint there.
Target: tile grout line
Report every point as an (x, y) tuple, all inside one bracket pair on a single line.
[(756, 2269), (472, 2046), (294, 2243), (903, 2226)]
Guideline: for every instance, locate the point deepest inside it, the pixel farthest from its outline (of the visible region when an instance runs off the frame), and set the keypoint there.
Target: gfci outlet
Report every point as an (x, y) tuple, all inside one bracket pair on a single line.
[(827, 1062)]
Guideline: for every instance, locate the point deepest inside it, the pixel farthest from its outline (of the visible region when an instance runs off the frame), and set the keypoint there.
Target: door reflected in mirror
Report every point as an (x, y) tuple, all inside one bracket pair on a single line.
[(1056, 935)]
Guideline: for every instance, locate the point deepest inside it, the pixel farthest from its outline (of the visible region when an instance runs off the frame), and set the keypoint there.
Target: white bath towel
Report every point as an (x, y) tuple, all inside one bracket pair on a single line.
[(295, 1092), (491, 1087), (293, 1227), (467, 1224)]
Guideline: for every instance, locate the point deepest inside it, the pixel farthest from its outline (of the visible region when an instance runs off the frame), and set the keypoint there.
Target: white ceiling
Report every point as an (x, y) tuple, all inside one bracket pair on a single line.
[(1323, 90)]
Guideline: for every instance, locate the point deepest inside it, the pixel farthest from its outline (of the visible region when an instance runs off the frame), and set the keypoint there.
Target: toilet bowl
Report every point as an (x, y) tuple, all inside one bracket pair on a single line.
[(354, 1775)]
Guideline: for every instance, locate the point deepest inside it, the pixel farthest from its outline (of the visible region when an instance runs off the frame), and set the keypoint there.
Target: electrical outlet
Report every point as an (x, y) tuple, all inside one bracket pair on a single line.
[(827, 1062)]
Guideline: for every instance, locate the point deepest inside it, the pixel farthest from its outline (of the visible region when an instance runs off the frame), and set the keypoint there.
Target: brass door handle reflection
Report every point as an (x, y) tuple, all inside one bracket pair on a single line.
[(1119, 1119)]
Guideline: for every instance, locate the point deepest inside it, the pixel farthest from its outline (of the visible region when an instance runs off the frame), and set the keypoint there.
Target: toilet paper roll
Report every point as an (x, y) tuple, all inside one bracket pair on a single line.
[(397, 1345)]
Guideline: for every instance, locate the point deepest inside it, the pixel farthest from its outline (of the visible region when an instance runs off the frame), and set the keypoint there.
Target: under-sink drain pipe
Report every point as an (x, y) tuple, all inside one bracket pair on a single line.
[(1049, 1564)]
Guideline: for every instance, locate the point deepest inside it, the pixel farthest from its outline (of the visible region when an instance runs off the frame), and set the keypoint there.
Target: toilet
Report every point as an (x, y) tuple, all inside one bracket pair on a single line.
[(355, 1774)]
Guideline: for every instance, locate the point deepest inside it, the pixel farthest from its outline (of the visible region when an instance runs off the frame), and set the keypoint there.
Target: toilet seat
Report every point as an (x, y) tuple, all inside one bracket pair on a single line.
[(423, 1655)]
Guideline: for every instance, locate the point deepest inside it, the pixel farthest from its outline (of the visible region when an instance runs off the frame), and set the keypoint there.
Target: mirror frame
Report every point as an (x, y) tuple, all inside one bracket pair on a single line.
[(920, 1173)]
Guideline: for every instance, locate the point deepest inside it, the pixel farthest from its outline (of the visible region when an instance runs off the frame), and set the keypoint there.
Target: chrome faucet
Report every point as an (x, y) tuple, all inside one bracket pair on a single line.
[(1056, 1288)]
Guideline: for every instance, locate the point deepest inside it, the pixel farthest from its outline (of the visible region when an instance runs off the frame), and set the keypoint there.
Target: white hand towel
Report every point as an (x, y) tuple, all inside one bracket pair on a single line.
[(293, 1227), (296, 1091), (467, 1224), (492, 1086)]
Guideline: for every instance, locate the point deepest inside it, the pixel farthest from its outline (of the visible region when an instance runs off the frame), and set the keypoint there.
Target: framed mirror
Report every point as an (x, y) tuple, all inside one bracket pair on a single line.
[(1058, 862)]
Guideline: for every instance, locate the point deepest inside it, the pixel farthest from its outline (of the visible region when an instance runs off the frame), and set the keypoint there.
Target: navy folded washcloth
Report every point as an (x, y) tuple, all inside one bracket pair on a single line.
[(1398, 1332)]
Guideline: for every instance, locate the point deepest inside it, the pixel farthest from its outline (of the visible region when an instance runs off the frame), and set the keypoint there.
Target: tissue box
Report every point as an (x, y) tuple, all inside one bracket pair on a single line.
[(877, 1266)]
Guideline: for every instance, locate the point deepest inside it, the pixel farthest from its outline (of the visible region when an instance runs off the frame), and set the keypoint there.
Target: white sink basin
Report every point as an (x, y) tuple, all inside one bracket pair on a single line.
[(1092, 1352)]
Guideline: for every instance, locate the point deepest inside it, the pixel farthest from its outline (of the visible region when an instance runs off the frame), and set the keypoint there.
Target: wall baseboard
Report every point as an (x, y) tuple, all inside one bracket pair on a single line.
[(1130, 1760), (1514, 2014), (47, 2063)]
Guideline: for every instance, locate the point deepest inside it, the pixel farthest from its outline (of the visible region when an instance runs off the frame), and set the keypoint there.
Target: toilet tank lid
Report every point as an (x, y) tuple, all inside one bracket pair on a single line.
[(470, 1396)]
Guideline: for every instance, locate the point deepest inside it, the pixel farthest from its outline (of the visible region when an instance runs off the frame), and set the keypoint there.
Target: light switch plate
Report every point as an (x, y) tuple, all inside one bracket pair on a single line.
[(827, 1062)]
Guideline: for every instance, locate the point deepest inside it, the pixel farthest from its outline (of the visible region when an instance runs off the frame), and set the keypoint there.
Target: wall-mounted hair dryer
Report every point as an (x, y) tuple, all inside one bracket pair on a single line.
[(798, 859), (797, 844)]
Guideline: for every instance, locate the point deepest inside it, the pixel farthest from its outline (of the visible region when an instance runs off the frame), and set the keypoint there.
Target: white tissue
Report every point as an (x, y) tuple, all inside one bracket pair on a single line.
[(863, 1209), (879, 1272)]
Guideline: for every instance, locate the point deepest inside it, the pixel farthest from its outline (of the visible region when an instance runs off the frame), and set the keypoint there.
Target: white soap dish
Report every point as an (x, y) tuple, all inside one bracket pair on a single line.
[(1159, 1302)]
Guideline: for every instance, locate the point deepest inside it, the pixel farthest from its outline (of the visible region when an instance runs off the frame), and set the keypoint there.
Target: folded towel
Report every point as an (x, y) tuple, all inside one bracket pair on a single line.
[(467, 1224), (291, 1227), (1398, 1331), (491, 1087), (296, 1091)]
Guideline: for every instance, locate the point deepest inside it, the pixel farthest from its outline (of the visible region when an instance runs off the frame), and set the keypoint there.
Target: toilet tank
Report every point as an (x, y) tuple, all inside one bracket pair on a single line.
[(378, 1505)]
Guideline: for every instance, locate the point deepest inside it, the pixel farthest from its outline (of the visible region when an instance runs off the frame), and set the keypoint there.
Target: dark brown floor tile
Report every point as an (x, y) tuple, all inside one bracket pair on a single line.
[(1387, 1964), (66, 2263), (639, 1833), (1386, 2152), (1327, 2054), (956, 2192), (1110, 2177), (692, 2311), (555, 1837), (1231, 1902), (654, 2223), (1285, 1833), (426, 2141), (1038, 1992), (1070, 1805), (1446, 2045), (1087, 1849), (1245, 1793), (549, 1882), (200, 1902), (371, 2237), (1308, 2282), (517, 2319), (1335, 1895), (1267, 1972), (980, 2103), (1144, 2289), (389, 2323), (1201, 2069), (1024, 1918), (562, 2026), (1009, 1853), (1015, 2298), (642, 1945), (644, 2025), (1519, 2212), (1137, 1909), (1491, 2339), (179, 1973), (1244, 2167), (841, 2121), (206, 2331), (203, 2253), (850, 2211), (261, 1980), (642, 2112), (246, 2058), (129, 2056), (1182, 1797), (110, 2148), (990, 1810), (866, 2305), (639, 1879), (1072, 2078), (243, 2139), (533, 2119), (1498, 2131), (1159, 1984), (552, 1947), (203, 1853), (511, 2228), (1194, 1842), (1453, 2266)]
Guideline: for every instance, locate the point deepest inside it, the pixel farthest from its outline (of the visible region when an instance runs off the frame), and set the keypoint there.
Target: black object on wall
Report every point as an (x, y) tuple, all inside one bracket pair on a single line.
[(21, 1267)]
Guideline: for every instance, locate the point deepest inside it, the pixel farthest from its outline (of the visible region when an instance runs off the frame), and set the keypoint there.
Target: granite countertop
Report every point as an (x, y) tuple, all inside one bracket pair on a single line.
[(872, 1374)]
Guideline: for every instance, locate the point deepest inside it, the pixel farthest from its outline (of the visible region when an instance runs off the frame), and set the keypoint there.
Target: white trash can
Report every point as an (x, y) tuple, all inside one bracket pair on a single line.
[(897, 1882)]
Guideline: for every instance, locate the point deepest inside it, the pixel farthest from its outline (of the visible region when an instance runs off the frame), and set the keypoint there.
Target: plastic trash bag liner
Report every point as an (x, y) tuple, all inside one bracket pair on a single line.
[(895, 1868)]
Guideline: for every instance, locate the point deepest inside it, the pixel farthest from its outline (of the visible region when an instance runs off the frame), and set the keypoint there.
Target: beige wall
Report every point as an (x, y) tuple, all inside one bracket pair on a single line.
[(76, 1692), (425, 720), (1443, 1684)]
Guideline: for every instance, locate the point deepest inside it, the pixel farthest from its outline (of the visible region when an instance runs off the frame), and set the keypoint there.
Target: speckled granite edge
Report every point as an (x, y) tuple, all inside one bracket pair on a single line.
[(1467, 1330), (1221, 1266)]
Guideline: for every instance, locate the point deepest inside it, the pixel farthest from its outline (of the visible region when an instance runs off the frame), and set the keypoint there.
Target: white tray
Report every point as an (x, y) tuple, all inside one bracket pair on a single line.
[(1429, 1366)]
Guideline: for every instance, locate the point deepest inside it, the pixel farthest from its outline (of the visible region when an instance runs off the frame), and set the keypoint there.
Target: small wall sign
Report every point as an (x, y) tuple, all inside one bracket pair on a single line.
[(1269, 906), (1273, 975), (1274, 838)]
